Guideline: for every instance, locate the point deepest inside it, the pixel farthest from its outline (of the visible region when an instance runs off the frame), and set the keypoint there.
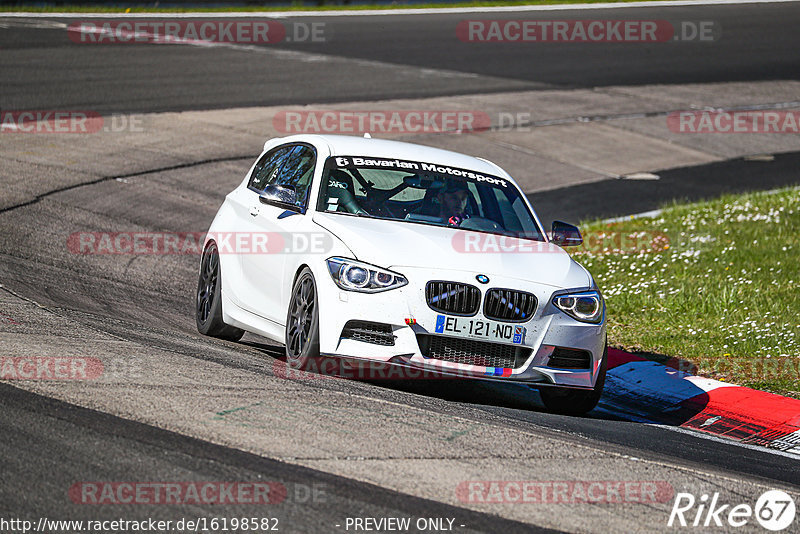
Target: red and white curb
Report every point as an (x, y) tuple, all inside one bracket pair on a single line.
[(647, 391)]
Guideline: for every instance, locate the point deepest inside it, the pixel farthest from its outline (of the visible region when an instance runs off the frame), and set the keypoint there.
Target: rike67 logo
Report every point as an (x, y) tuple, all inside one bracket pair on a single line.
[(774, 510)]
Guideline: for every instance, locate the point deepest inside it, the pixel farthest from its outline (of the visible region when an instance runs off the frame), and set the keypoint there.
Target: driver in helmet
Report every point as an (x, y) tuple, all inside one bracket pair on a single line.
[(454, 202)]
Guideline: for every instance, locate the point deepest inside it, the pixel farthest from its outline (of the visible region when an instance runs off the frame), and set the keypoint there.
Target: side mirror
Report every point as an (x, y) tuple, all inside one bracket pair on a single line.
[(565, 235), (283, 196)]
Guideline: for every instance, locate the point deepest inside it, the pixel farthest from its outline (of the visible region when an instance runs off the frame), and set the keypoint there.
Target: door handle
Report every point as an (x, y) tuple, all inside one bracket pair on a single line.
[(253, 210)]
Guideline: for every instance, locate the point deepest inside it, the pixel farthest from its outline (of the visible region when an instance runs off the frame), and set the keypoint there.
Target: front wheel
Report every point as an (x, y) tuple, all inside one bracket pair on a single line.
[(567, 401), (302, 322), (208, 304)]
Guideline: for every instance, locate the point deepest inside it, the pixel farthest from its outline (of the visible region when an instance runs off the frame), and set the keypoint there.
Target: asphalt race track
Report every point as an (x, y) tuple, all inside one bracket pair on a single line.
[(53, 431), (757, 42), (615, 197), (176, 406)]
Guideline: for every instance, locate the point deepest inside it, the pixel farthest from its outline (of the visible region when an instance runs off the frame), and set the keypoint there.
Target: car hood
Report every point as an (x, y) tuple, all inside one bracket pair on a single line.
[(398, 244)]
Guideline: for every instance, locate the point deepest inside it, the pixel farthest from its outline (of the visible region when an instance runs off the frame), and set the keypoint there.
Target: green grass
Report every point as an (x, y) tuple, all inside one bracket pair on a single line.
[(295, 6), (723, 292)]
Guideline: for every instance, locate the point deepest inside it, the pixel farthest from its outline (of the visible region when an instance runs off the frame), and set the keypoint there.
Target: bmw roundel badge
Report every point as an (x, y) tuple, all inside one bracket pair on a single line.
[(482, 278)]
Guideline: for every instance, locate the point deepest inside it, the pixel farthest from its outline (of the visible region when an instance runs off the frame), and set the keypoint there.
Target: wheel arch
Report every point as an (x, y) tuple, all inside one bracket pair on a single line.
[(299, 270)]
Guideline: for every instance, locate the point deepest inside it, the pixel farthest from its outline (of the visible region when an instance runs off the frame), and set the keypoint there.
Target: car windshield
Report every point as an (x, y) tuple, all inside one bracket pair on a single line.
[(425, 193)]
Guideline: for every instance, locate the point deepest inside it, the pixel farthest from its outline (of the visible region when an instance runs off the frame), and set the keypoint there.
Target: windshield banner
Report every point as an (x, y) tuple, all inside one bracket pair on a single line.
[(396, 164)]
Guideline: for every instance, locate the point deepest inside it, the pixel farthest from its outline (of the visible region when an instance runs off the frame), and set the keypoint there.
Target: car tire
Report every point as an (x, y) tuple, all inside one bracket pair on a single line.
[(302, 322), (208, 301), (567, 401)]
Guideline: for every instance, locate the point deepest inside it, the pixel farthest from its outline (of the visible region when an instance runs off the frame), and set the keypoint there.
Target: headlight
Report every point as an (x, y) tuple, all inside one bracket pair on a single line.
[(585, 306), (353, 275)]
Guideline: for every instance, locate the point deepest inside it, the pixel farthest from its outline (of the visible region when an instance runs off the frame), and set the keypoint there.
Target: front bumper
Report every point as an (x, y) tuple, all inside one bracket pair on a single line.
[(548, 330)]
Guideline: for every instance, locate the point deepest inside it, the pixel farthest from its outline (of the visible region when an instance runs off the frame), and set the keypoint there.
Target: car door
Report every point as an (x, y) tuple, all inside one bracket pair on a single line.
[(240, 200), (262, 271)]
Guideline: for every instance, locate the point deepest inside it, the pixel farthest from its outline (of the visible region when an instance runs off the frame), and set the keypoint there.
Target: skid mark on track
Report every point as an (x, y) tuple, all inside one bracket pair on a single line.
[(168, 168), (458, 434), (223, 413)]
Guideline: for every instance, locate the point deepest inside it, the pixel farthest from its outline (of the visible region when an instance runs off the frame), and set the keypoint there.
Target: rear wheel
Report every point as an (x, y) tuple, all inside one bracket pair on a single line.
[(568, 401), (208, 304), (302, 322)]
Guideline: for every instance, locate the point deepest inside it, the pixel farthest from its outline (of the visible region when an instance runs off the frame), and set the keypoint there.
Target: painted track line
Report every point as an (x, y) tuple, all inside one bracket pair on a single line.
[(411, 11), (712, 437)]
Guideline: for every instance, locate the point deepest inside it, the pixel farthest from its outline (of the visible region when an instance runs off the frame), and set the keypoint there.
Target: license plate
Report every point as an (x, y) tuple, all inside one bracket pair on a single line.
[(480, 329)]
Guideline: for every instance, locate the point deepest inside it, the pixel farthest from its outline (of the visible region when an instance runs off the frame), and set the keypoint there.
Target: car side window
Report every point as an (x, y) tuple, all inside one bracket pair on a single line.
[(290, 165), (297, 171), (268, 167)]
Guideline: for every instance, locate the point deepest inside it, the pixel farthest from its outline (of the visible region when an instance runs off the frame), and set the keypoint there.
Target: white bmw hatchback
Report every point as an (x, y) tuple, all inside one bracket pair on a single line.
[(367, 249)]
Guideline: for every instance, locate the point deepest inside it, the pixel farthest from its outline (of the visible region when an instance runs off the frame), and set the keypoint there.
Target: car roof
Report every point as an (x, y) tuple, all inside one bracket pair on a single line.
[(347, 145)]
